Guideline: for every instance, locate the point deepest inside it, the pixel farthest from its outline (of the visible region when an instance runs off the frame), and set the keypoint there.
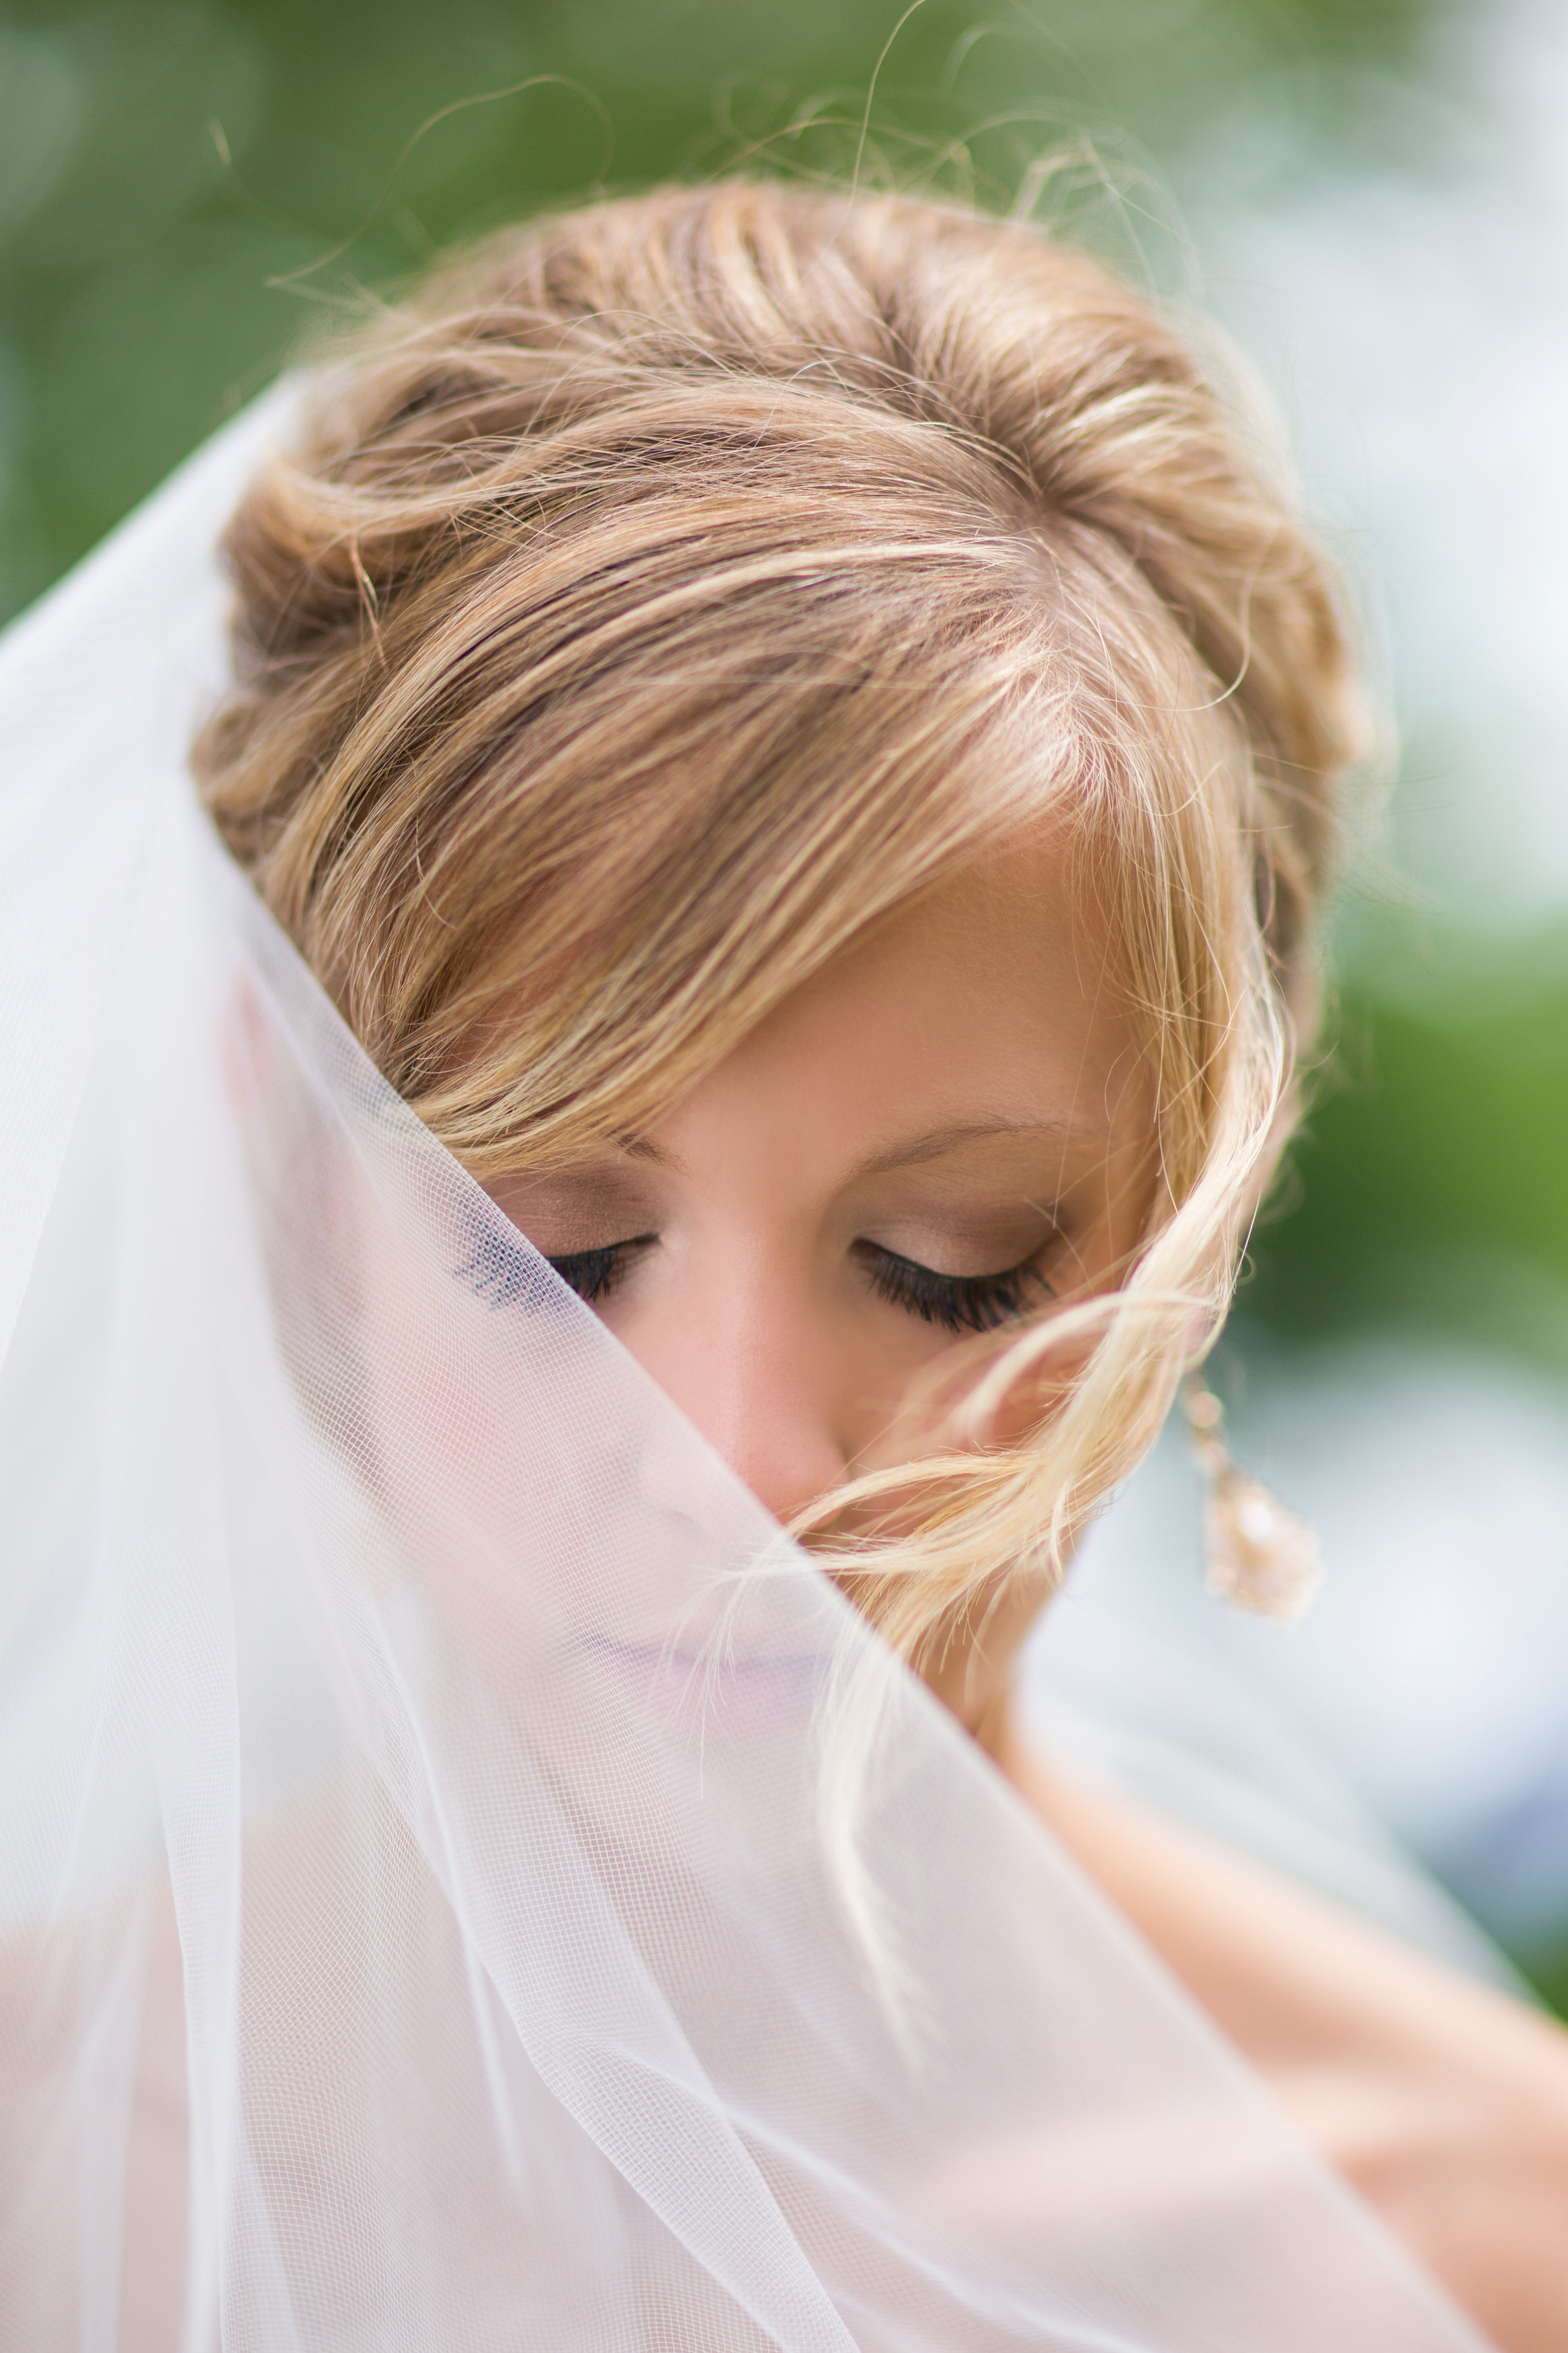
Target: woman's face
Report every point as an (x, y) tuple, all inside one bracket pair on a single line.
[(948, 1127)]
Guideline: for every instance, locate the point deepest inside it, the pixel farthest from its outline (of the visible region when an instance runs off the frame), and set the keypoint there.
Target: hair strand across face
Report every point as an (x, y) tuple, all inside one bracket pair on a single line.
[(671, 591)]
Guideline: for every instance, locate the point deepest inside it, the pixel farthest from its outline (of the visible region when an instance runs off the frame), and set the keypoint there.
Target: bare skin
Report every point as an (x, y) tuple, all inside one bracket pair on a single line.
[(1443, 2102), (962, 1097)]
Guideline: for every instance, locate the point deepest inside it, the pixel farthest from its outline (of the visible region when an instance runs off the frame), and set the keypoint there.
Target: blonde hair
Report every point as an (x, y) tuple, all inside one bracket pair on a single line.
[(669, 591)]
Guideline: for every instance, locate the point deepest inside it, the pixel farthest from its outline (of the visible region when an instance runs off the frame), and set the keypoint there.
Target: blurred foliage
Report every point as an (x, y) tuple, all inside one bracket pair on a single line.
[(183, 190), (180, 186), (1429, 1185)]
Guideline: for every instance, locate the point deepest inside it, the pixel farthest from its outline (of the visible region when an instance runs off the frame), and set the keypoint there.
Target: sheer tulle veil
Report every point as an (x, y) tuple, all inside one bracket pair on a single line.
[(466, 1881)]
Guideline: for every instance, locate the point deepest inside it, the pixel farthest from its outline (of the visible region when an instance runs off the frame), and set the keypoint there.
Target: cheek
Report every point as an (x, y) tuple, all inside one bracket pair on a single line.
[(1040, 1393), (1105, 1253)]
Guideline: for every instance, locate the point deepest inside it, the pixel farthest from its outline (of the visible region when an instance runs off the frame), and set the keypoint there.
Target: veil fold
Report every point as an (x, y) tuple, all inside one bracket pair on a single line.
[(466, 1880)]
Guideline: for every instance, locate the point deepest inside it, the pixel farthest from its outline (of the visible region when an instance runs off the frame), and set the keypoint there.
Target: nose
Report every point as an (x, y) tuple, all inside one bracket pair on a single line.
[(749, 1363)]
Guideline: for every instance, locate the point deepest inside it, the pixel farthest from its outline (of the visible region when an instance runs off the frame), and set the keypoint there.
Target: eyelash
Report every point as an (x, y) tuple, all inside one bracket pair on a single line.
[(593, 1274), (959, 1302), (497, 1270)]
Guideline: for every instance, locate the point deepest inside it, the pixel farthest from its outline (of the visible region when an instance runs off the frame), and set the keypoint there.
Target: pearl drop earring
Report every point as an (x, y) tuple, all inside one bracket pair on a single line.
[(1261, 1557)]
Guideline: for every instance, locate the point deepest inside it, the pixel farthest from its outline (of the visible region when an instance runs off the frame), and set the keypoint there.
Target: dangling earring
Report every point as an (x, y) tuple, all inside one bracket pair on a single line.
[(1261, 1557)]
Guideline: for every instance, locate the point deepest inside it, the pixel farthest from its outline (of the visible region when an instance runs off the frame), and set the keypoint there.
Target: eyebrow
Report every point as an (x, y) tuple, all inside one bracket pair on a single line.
[(638, 1148), (913, 1149), (938, 1140)]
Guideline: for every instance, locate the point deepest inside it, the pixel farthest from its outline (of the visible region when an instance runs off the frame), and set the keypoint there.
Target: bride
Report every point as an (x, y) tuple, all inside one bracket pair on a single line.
[(786, 752)]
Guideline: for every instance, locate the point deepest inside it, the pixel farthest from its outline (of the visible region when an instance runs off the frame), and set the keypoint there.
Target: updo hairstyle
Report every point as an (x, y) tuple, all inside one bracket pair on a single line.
[(668, 592)]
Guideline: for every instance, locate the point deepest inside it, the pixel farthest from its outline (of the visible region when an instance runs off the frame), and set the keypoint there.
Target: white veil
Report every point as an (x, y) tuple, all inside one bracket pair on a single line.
[(466, 1881)]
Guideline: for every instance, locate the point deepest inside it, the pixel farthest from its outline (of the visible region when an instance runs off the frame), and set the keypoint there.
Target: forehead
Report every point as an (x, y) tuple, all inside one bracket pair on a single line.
[(1010, 948), (991, 1000)]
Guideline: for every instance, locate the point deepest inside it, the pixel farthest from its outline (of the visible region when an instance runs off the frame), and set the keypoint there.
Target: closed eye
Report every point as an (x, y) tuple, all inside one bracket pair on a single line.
[(594, 1275), (500, 1267), (959, 1302)]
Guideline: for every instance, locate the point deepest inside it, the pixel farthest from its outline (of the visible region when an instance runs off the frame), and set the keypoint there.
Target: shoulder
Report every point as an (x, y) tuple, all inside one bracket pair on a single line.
[(1443, 2102)]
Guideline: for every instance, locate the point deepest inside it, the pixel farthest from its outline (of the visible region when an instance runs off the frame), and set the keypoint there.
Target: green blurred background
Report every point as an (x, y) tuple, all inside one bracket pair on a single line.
[(183, 189), (1366, 192)]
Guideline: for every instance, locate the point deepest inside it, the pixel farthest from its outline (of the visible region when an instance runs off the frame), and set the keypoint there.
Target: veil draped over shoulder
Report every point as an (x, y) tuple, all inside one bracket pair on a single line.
[(466, 1881)]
